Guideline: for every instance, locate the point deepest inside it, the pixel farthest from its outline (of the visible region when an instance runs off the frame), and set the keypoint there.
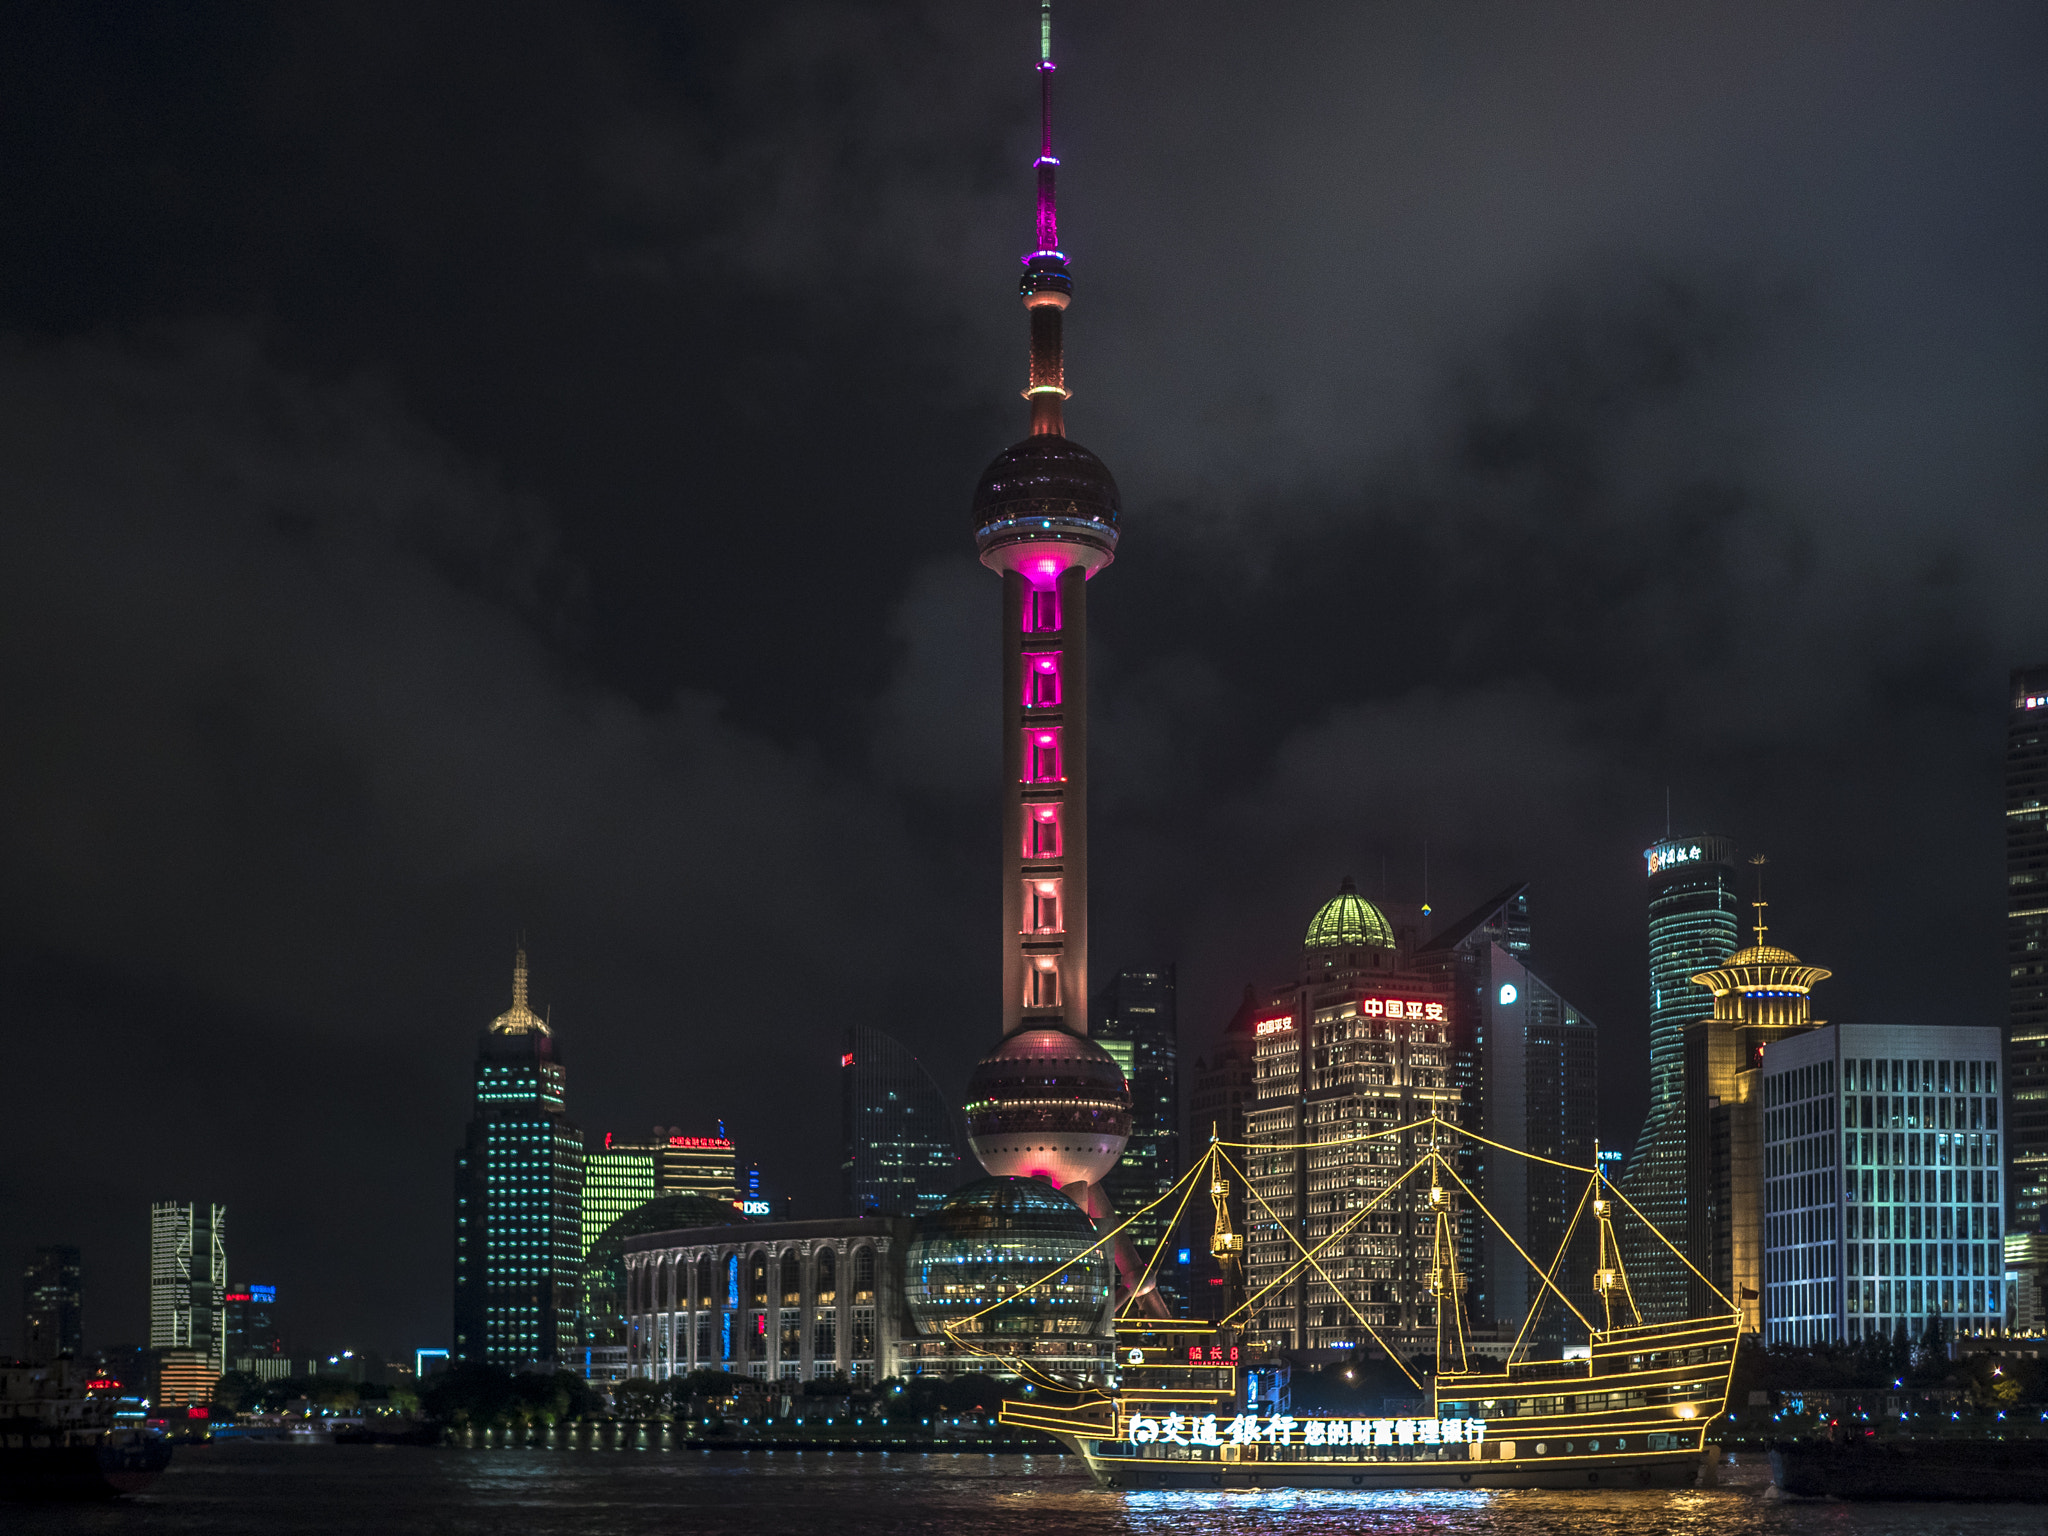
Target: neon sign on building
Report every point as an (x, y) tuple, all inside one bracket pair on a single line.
[(715, 1143), (1671, 855), (1401, 1008)]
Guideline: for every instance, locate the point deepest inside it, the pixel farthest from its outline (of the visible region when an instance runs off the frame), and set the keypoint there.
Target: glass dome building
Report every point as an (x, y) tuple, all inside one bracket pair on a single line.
[(991, 1241)]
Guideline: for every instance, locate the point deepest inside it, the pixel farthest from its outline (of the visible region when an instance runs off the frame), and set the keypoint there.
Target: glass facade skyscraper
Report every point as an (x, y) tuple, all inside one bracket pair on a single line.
[(901, 1145), (519, 1200), (1881, 1175), (2026, 895), (1137, 1020), (1694, 925), (1540, 1078)]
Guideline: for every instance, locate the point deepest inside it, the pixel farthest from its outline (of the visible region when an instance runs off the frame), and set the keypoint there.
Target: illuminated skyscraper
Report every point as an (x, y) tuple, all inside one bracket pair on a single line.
[(518, 1199), (2026, 941), (901, 1145), (1363, 1043), (51, 1305), (1761, 994), (1695, 916), (188, 1273)]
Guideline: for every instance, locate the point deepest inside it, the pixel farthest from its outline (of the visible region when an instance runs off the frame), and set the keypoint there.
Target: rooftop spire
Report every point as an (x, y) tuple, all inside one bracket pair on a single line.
[(520, 1018), (1046, 286)]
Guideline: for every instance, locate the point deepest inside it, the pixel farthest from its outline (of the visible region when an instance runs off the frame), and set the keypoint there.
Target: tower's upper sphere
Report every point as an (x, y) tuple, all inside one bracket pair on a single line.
[(997, 1239), (1048, 1105), (1348, 921), (1047, 489)]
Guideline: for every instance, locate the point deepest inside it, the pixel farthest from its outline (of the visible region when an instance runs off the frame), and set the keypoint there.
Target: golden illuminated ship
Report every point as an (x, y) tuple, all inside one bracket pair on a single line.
[(1197, 1405)]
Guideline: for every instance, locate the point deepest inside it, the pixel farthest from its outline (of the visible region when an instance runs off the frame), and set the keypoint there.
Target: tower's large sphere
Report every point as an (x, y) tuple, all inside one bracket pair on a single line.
[(1047, 491), (1048, 1105), (989, 1242)]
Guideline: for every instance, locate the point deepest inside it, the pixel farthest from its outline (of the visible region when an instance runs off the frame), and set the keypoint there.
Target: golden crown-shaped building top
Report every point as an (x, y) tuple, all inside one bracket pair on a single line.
[(518, 1019), (1764, 985)]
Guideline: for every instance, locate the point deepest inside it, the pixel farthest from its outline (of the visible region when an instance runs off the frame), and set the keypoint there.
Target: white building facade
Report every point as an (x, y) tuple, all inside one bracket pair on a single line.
[(789, 1300), (1883, 1205)]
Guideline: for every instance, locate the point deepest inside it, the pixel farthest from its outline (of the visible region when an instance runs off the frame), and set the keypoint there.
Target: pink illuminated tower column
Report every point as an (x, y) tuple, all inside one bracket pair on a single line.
[(1046, 519), (1048, 1103)]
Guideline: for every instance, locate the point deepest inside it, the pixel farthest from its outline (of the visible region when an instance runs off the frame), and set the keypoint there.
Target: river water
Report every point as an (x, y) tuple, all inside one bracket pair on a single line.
[(282, 1490)]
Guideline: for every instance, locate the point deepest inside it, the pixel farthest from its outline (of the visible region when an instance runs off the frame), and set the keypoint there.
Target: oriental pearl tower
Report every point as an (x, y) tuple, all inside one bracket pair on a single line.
[(1048, 1103)]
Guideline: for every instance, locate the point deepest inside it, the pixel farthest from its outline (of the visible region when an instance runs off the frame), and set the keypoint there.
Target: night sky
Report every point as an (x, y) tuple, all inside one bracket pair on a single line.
[(469, 469)]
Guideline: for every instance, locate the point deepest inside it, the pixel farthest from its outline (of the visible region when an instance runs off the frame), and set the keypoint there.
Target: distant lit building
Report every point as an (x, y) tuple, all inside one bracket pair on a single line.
[(1541, 1077), (519, 1200), (617, 1177), (2026, 1282), (250, 1314), (699, 1165), (188, 1272), (1695, 923), (1882, 1171), (182, 1377), (788, 1300), (899, 1138), (1460, 956), (1137, 1020), (2026, 940), (52, 1305), (1361, 1044)]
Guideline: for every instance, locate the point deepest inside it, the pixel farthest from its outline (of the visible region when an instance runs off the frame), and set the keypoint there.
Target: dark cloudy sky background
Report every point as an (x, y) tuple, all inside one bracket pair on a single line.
[(467, 468)]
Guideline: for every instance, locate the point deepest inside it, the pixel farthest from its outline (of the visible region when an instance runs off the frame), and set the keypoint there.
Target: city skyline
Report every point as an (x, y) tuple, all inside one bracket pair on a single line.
[(1478, 510)]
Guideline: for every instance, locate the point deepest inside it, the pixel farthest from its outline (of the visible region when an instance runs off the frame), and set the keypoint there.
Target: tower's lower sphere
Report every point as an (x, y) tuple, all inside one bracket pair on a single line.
[(990, 1241), (1048, 1105)]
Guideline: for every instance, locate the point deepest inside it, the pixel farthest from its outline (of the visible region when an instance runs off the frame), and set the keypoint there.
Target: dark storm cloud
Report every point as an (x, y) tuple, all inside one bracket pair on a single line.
[(470, 469)]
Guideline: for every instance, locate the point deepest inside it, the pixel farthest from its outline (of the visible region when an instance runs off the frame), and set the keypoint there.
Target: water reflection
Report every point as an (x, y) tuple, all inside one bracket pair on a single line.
[(401, 1491)]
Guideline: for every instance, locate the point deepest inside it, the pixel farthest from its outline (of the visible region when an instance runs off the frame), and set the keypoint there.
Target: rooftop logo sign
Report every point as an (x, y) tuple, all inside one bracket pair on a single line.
[(1670, 855)]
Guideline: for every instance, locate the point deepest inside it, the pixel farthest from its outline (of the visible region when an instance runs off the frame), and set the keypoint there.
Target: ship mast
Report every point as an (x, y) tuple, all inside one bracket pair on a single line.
[(1226, 1243), (1447, 1280), (1609, 1278)]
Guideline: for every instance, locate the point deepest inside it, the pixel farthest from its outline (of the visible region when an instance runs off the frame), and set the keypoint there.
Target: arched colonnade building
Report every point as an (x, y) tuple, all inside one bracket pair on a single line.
[(788, 1300)]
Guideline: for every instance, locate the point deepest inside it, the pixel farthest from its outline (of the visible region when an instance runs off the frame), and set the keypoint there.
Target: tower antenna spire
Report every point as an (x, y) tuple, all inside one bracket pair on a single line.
[(1759, 861), (1046, 287)]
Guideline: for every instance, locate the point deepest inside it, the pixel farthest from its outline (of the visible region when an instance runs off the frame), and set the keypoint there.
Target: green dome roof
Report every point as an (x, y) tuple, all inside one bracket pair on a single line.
[(1348, 921)]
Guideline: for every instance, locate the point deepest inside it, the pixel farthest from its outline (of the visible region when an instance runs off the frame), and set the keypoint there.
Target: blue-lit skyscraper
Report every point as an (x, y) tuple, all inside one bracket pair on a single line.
[(518, 1200), (1695, 924)]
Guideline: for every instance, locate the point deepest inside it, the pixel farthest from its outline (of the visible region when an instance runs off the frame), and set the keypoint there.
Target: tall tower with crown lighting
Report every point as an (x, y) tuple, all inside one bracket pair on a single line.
[(518, 1198), (1047, 1103)]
